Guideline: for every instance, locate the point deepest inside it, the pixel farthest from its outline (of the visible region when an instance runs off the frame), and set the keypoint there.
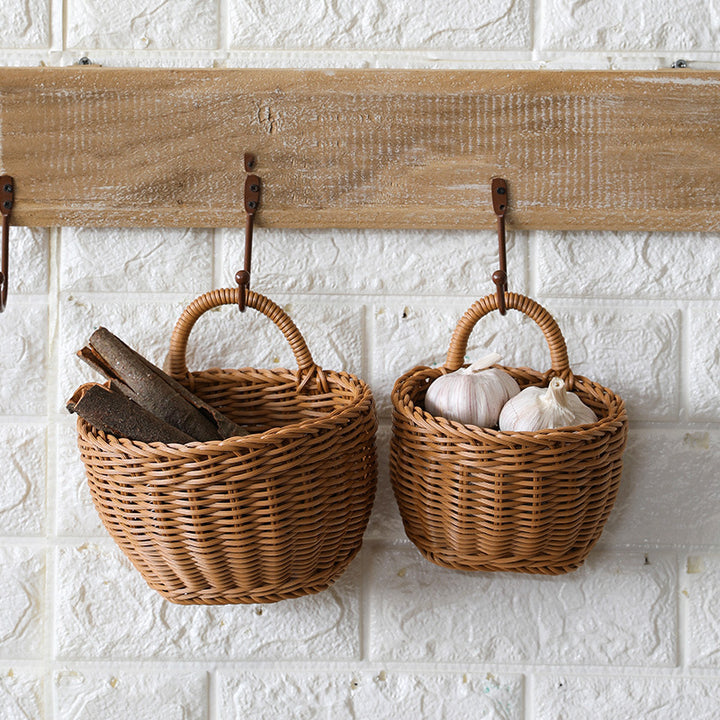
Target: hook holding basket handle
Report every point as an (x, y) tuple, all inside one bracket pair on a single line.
[(500, 202), (559, 364), (252, 202), (7, 196), (176, 363)]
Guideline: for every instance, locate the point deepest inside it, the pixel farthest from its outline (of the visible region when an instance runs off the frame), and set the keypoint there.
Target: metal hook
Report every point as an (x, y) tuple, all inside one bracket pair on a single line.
[(7, 196), (500, 202), (252, 202)]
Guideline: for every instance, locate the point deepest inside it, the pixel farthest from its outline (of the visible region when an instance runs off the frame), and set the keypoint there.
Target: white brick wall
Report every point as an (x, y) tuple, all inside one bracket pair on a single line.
[(635, 633)]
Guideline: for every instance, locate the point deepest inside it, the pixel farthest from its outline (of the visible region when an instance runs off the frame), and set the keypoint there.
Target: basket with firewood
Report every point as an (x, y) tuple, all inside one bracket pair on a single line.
[(228, 486)]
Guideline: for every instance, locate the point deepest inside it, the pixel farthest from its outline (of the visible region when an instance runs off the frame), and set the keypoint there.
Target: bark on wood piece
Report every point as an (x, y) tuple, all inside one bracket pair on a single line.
[(148, 386), (598, 150), (115, 414)]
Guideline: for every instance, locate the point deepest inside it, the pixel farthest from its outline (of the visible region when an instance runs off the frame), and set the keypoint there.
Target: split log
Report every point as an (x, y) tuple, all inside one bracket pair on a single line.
[(109, 410), (152, 389)]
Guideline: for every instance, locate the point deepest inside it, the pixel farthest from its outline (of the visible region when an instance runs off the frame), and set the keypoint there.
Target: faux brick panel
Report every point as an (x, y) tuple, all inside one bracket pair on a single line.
[(30, 248), (628, 265), (136, 260), (634, 353), (365, 694), (20, 694), (704, 370), (375, 261), (611, 698), (652, 25), (105, 609), (700, 585), (23, 359), (141, 24), (25, 24), (422, 612), (22, 584), (496, 24), (94, 694), (669, 493), (23, 469)]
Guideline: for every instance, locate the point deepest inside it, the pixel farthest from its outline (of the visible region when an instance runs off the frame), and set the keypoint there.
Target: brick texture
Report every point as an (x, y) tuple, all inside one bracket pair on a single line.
[(635, 632)]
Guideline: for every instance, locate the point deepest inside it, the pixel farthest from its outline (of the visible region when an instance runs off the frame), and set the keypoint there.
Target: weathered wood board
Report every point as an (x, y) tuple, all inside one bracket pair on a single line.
[(363, 148)]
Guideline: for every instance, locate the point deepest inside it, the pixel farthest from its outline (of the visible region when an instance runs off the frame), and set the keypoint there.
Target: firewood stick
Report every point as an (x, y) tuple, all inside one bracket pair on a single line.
[(115, 414), (154, 390)]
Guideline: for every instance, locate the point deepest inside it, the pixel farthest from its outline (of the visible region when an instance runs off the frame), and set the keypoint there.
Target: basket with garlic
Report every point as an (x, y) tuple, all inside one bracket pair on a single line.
[(499, 468)]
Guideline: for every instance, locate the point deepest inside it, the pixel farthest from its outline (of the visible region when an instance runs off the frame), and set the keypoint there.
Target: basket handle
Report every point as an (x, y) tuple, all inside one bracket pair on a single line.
[(176, 362), (559, 364)]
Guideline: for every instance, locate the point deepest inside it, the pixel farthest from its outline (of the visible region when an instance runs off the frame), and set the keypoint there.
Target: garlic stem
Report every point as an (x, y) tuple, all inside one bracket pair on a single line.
[(485, 362), (556, 394)]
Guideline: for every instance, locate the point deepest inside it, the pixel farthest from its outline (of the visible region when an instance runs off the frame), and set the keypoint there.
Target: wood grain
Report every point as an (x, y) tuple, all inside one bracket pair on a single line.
[(362, 148)]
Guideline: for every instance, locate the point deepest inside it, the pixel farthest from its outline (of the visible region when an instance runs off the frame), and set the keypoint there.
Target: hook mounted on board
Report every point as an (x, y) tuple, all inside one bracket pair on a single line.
[(500, 202), (7, 195), (252, 202)]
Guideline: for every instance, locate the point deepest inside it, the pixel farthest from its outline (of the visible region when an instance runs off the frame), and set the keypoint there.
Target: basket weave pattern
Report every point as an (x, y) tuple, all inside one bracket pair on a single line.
[(276, 514), (480, 499)]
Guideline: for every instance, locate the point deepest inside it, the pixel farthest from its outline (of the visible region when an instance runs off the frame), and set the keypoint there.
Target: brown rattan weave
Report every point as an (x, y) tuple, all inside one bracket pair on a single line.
[(276, 514), (480, 499)]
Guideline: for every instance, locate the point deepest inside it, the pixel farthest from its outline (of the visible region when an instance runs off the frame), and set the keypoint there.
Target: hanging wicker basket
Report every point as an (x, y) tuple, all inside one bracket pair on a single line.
[(480, 499), (276, 514)]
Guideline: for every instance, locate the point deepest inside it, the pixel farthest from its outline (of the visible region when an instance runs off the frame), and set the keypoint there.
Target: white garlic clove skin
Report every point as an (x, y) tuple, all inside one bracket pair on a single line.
[(548, 408), (474, 395)]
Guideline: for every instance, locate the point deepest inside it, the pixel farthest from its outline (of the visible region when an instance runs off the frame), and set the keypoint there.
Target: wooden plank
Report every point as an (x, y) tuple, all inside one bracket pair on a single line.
[(363, 148)]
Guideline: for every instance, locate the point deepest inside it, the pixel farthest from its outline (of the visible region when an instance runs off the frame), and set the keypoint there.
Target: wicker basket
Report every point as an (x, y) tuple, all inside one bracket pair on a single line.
[(276, 514), (480, 499)]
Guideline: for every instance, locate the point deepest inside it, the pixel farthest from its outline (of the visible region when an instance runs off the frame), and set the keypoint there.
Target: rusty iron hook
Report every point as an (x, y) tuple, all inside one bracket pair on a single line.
[(7, 196), (500, 202), (252, 202)]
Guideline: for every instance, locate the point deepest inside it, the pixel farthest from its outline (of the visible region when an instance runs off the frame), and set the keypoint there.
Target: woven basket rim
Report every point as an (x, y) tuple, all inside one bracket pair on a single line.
[(362, 394), (444, 425)]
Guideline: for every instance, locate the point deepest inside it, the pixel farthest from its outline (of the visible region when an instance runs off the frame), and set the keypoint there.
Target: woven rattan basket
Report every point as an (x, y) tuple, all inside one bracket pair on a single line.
[(480, 499), (276, 514)]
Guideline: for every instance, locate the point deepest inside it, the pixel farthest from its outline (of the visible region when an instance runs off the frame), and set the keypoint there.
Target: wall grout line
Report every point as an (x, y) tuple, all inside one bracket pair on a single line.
[(335, 666), (529, 696), (212, 691), (685, 345), (536, 28), (583, 302), (350, 58), (531, 263), (683, 610), (223, 26), (52, 474)]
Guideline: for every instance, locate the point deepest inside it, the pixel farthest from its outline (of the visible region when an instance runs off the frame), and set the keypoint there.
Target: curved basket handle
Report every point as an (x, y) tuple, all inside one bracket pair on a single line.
[(176, 362), (555, 340)]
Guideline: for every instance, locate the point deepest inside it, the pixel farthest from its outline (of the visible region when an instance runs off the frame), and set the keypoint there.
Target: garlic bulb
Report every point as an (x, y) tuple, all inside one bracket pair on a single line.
[(545, 408), (473, 395)]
